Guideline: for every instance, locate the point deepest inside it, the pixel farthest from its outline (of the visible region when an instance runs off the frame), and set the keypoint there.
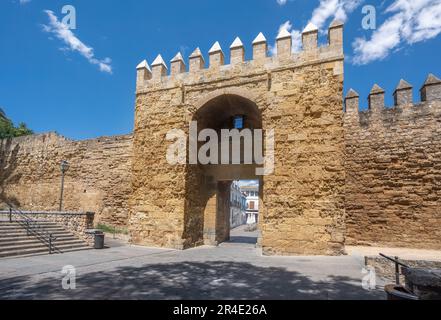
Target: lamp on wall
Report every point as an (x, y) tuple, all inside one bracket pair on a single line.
[(64, 166)]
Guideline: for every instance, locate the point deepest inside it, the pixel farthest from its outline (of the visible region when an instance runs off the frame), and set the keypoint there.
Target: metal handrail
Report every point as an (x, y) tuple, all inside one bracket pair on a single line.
[(32, 227), (397, 266)]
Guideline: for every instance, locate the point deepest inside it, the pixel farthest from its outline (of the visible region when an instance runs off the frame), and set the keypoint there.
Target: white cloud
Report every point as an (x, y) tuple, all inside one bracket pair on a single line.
[(62, 32), (24, 1), (287, 25), (408, 22), (411, 21), (282, 2), (335, 9), (327, 9)]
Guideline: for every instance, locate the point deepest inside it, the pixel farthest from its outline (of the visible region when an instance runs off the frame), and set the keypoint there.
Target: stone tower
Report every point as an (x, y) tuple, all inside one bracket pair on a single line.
[(297, 96)]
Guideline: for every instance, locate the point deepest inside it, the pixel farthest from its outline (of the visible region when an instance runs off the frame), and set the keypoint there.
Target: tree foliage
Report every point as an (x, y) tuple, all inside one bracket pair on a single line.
[(8, 130)]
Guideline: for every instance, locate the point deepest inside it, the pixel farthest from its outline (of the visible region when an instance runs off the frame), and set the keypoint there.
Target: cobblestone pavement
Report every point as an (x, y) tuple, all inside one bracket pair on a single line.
[(233, 270)]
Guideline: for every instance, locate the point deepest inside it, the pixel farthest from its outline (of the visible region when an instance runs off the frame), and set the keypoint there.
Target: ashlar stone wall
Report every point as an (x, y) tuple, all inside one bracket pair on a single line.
[(393, 168), (98, 180)]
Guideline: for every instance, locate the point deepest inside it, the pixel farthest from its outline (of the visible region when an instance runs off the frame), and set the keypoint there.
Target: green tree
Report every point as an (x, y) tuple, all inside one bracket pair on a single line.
[(8, 130), (22, 130)]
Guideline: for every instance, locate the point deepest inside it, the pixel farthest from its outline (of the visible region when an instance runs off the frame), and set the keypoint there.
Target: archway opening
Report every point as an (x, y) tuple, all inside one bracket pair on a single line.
[(244, 211), (211, 182)]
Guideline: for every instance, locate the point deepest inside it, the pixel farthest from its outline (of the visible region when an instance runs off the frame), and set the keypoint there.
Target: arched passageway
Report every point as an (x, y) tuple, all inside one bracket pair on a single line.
[(208, 183)]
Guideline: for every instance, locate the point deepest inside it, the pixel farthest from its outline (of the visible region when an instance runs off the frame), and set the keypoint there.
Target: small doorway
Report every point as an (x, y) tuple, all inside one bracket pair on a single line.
[(244, 211), (216, 209)]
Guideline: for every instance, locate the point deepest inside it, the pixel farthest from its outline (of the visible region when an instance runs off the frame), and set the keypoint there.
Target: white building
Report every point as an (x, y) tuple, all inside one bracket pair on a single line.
[(251, 193), (238, 204)]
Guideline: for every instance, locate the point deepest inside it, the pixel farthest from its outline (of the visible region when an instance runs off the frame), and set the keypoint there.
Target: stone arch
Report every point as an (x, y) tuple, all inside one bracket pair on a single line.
[(235, 91), (207, 186)]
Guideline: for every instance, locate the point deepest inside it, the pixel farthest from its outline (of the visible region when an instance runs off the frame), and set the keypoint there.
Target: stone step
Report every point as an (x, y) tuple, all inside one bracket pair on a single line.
[(18, 225), (10, 226), (15, 226), (16, 233), (24, 233), (58, 237), (12, 230), (40, 251), (15, 220), (36, 244), (40, 245), (26, 238), (32, 226), (21, 220), (12, 238), (15, 241), (33, 241)]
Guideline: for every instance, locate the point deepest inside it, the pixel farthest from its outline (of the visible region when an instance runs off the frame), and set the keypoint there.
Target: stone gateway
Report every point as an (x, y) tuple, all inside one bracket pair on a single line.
[(298, 96), (338, 178)]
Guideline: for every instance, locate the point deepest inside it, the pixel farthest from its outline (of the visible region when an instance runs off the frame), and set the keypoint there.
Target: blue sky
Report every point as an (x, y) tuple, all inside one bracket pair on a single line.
[(89, 91)]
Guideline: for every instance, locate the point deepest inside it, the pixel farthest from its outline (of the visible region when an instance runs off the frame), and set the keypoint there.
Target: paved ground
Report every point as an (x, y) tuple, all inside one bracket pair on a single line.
[(402, 253), (234, 270)]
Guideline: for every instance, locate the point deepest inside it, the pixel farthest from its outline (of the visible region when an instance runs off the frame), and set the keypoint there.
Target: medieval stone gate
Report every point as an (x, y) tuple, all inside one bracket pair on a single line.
[(366, 176), (297, 95)]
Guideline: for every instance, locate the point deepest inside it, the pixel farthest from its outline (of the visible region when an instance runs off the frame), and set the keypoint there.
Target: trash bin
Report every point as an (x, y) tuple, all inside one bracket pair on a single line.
[(98, 240)]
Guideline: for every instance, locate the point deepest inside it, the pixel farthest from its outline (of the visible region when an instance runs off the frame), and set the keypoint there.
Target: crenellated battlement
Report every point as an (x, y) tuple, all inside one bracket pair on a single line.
[(159, 75), (393, 167), (403, 101)]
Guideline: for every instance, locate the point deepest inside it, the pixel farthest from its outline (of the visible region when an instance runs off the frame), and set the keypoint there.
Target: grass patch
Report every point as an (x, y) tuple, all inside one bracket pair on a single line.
[(110, 229)]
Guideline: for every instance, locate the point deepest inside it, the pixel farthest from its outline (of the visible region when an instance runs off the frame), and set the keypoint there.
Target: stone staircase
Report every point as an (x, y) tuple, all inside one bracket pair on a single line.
[(14, 240)]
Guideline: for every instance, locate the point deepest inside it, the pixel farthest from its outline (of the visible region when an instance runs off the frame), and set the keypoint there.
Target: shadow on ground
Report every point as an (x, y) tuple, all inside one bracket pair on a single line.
[(188, 280)]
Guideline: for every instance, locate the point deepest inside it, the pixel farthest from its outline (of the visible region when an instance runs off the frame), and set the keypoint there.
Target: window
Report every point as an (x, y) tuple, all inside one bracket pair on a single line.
[(251, 206), (238, 122)]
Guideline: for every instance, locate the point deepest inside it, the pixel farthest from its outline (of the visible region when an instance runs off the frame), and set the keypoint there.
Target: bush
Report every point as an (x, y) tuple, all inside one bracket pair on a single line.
[(8, 130)]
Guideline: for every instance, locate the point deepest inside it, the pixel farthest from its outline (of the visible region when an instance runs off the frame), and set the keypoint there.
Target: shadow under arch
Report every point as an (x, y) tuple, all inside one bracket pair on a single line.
[(207, 187)]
